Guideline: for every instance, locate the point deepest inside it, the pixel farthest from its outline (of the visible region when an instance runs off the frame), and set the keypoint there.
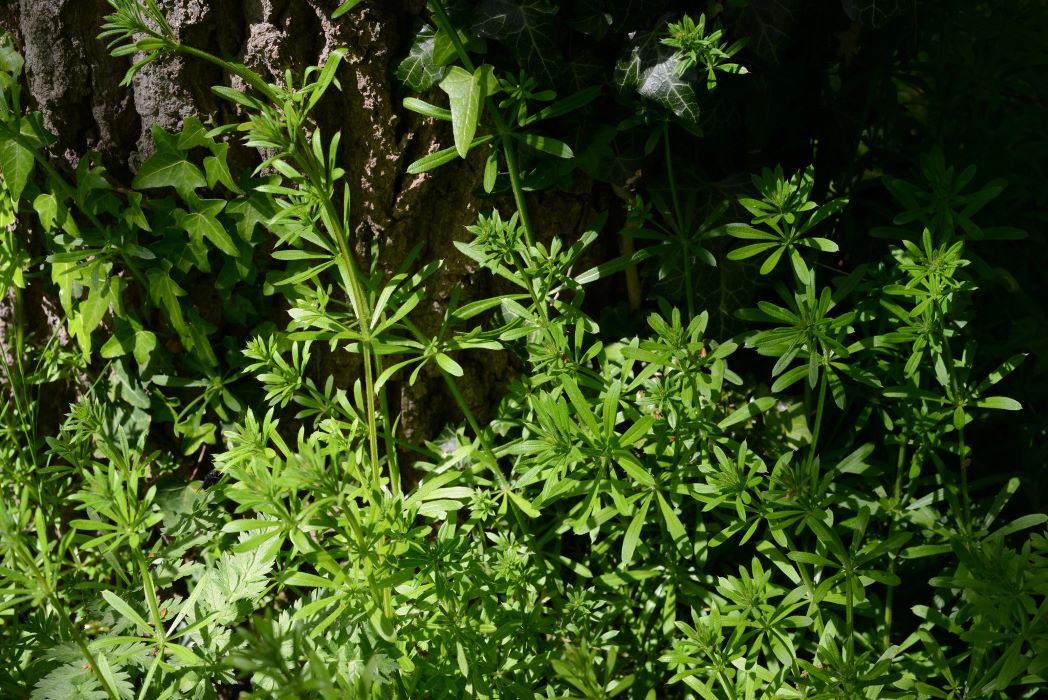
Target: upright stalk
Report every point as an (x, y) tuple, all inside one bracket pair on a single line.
[(333, 223), (509, 151), (819, 407), (678, 222), (889, 596), (955, 393)]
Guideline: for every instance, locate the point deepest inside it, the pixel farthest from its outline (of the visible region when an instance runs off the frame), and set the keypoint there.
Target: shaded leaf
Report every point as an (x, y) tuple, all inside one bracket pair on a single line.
[(419, 70), (650, 69), (527, 28)]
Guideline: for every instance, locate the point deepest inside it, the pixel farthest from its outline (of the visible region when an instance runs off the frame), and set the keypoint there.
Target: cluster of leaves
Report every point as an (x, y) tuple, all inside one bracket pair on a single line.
[(642, 516)]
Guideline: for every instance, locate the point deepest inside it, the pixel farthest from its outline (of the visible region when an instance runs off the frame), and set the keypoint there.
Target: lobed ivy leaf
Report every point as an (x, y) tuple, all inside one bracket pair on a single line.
[(871, 13), (169, 169), (16, 165), (165, 292), (420, 69), (770, 23), (527, 29), (202, 223), (650, 69)]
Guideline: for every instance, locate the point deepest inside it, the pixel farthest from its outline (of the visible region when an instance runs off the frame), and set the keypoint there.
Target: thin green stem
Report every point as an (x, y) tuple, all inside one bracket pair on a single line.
[(29, 565), (246, 74), (955, 391), (388, 434), (482, 438), (849, 614), (489, 453), (819, 408), (889, 596), (813, 608), (509, 151), (678, 221)]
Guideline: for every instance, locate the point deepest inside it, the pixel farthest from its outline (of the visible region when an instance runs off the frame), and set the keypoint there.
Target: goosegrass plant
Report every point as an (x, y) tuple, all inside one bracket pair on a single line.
[(642, 516)]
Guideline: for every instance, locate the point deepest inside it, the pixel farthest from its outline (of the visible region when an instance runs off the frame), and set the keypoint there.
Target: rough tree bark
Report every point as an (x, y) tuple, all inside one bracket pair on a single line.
[(75, 84)]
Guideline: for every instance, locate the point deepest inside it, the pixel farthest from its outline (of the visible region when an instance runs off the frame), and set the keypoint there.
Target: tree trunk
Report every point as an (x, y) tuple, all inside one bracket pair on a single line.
[(75, 83)]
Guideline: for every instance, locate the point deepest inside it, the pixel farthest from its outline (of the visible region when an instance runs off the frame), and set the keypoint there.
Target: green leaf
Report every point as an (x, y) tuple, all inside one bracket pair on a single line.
[(139, 342), (202, 224), (547, 145), (216, 169), (165, 292), (750, 410), (1002, 403), (568, 104), (16, 165), (651, 70), (129, 613), (46, 206), (93, 308), (448, 365), (426, 109), (673, 523), (528, 29), (435, 160), (193, 135), (525, 507), (169, 169), (629, 542), (638, 430), (420, 70), (11, 61), (344, 8), (1021, 523), (466, 93), (1006, 368), (633, 467), (748, 251), (491, 170), (813, 559)]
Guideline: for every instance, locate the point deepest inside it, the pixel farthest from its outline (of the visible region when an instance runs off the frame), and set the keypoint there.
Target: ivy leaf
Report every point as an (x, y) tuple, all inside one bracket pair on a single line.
[(16, 164), (133, 339), (10, 60), (770, 23), (169, 169), (47, 210), (165, 292), (93, 309), (871, 13), (202, 223), (193, 135), (216, 168), (650, 69), (526, 29), (420, 70)]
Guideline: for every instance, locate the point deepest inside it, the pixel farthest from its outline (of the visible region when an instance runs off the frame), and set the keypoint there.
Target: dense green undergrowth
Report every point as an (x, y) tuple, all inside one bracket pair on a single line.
[(765, 486)]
